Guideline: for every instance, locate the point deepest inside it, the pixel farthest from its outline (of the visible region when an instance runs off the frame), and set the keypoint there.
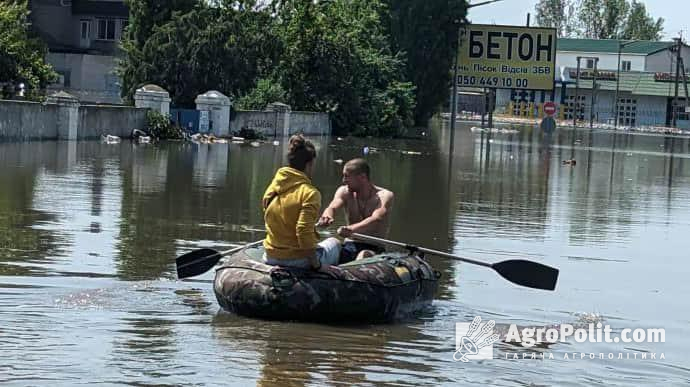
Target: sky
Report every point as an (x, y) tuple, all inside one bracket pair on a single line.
[(514, 12)]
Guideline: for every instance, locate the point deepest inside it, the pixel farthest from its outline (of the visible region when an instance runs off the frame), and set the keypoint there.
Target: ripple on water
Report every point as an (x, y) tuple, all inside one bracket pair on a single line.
[(86, 295)]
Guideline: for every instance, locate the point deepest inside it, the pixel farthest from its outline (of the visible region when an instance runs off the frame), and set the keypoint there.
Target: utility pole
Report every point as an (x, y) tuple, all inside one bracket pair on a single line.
[(485, 109), (454, 99), (577, 92), (679, 46), (594, 93), (685, 80), (616, 103), (618, 83), (492, 95)]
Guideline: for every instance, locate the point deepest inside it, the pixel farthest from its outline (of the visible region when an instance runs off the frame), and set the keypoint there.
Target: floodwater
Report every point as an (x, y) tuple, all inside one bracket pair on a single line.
[(89, 234)]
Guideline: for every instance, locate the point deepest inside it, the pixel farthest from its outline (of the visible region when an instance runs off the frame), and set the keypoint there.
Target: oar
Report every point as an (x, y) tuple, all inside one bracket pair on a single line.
[(202, 260), (518, 271)]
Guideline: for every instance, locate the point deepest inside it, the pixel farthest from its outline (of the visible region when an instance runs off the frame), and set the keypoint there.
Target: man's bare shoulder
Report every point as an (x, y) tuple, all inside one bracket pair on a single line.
[(384, 193), (342, 192)]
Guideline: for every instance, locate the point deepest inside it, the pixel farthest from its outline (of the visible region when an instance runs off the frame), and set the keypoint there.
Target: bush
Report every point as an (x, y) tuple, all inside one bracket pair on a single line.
[(394, 108), (265, 92), (251, 134), (160, 127)]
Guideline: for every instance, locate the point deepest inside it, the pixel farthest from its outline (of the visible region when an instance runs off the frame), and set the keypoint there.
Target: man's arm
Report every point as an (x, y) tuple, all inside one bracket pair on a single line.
[(378, 215), (338, 202)]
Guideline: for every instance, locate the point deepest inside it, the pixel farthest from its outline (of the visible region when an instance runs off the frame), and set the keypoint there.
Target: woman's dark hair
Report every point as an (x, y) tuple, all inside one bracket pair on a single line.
[(300, 152)]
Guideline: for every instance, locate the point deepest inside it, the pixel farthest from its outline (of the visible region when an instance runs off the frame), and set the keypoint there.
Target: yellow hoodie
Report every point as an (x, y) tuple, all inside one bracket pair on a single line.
[(291, 209)]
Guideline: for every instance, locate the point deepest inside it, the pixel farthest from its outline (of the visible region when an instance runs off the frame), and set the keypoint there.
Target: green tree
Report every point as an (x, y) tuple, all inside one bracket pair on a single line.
[(558, 14), (642, 26), (426, 32), (225, 47), (338, 59), (144, 17), (595, 19), (332, 55), (603, 19), (21, 55), (265, 92)]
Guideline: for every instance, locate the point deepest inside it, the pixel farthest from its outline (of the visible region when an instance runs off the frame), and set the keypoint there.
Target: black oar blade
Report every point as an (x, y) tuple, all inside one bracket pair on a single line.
[(196, 262), (528, 273)]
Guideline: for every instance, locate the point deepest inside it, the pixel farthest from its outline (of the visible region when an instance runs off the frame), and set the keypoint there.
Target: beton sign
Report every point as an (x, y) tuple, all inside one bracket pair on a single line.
[(506, 57)]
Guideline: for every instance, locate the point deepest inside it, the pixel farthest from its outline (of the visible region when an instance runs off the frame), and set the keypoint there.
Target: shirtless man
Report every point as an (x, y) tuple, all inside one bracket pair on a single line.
[(366, 207)]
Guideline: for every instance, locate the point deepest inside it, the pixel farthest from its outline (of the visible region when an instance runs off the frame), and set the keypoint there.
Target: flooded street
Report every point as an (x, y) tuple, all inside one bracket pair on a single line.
[(90, 232)]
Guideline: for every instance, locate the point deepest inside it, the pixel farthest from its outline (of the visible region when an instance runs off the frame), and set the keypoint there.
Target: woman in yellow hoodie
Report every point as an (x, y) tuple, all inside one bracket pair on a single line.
[(291, 210)]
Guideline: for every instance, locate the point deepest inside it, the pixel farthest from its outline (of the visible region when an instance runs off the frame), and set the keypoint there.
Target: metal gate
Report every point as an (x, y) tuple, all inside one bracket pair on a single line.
[(188, 119)]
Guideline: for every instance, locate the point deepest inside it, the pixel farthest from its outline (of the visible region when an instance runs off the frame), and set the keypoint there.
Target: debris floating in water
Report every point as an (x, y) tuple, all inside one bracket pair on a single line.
[(203, 138), (476, 129), (110, 139)]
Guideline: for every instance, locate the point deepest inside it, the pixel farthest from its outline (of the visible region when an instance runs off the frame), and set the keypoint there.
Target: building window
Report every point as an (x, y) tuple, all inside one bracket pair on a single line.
[(627, 111), (569, 107), (590, 63), (85, 29), (106, 29), (626, 65), (681, 112)]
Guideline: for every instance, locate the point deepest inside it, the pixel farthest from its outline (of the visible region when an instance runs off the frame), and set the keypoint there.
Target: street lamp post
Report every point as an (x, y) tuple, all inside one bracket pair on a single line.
[(576, 111), (621, 45), (454, 107), (618, 83), (594, 92), (595, 61), (679, 58), (454, 99)]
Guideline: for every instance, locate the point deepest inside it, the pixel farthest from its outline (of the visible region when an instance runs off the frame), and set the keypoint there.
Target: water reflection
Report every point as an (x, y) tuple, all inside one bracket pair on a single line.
[(294, 354), (23, 243), (91, 220), (145, 339)]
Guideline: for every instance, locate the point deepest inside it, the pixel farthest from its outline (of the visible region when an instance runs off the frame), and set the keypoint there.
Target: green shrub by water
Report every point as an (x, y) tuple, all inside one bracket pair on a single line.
[(161, 127)]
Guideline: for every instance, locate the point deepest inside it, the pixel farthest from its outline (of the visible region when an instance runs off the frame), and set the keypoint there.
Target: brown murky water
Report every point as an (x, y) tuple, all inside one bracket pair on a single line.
[(88, 293)]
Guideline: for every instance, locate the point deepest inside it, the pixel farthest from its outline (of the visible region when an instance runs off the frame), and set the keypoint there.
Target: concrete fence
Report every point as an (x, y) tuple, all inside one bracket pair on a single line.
[(63, 118), (27, 120), (281, 124), (310, 123), (95, 120), (265, 123)]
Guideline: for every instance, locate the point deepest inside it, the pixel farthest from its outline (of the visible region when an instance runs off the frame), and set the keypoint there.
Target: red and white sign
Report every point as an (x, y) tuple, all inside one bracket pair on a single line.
[(549, 108)]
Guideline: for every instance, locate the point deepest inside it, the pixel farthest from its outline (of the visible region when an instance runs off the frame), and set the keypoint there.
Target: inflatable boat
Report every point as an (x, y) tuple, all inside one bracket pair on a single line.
[(381, 288)]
